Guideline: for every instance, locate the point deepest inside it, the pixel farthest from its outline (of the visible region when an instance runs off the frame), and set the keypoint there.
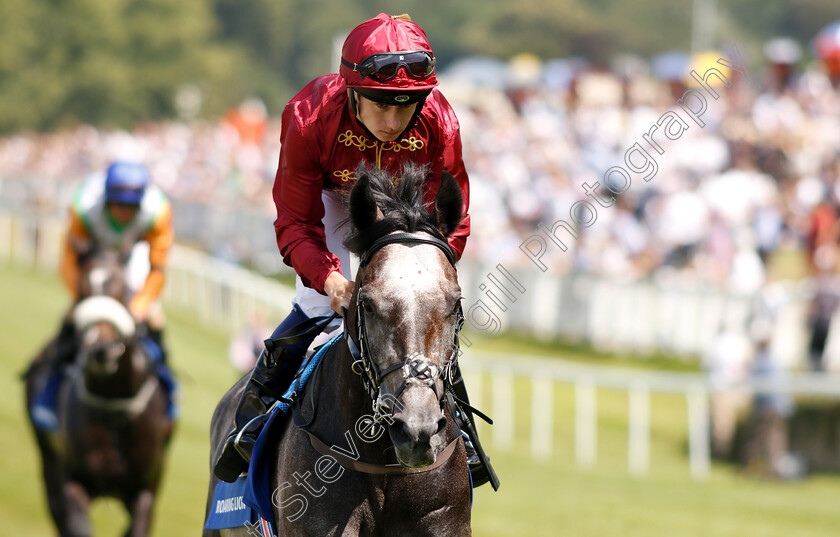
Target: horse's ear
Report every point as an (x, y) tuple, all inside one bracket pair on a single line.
[(82, 247), (363, 210), (448, 205)]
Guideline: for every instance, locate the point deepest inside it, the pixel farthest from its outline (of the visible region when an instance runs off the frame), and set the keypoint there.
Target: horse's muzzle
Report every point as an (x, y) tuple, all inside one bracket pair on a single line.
[(418, 435)]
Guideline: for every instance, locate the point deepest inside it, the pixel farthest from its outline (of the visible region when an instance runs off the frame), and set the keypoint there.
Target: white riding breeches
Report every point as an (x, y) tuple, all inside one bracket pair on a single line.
[(310, 301)]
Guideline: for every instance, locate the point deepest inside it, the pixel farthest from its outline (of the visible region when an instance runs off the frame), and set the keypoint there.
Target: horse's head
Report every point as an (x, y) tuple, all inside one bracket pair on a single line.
[(107, 333), (101, 270), (407, 307)]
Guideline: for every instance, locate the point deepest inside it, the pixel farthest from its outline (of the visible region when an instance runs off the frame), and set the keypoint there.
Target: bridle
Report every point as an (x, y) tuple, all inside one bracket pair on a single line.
[(416, 369)]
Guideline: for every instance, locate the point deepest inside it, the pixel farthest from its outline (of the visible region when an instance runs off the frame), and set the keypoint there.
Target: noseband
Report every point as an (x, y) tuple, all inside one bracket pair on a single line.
[(416, 369)]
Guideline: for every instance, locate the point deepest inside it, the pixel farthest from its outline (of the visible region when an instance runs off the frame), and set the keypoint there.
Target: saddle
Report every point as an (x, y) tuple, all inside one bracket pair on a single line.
[(247, 501)]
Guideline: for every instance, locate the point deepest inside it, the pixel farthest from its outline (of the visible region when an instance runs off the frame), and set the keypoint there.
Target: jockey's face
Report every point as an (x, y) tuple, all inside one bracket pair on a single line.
[(384, 121), (122, 213)]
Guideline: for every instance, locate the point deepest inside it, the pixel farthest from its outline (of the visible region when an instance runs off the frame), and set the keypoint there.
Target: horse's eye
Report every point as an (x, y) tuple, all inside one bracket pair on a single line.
[(367, 306)]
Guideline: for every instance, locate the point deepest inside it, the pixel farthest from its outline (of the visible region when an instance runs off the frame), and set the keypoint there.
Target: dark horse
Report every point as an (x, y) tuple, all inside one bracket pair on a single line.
[(335, 471), (113, 421)]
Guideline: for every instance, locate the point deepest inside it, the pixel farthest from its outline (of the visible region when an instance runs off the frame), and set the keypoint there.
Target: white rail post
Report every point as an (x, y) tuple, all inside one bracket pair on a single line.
[(542, 415), (47, 245), (5, 236), (204, 296), (181, 287), (638, 446), (698, 432), (23, 244), (503, 425), (586, 422), (219, 288)]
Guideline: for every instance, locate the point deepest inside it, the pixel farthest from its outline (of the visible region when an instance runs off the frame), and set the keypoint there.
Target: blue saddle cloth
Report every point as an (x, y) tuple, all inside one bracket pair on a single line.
[(228, 510), (253, 491)]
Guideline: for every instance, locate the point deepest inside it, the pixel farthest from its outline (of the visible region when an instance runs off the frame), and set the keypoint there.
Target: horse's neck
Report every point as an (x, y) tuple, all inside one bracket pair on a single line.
[(341, 395), (341, 401)]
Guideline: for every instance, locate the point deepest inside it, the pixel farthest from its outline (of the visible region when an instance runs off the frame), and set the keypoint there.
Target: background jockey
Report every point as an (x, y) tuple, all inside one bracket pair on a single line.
[(382, 108), (116, 211)]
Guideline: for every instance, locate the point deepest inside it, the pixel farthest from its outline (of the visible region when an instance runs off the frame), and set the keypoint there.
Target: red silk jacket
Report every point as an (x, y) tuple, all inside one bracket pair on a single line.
[(322, 143)]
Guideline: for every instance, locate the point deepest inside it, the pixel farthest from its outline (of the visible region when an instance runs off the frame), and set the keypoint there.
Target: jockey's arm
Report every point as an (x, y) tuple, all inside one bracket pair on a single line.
[(160, 237), (453, 162), (297, 195), (77, 233)]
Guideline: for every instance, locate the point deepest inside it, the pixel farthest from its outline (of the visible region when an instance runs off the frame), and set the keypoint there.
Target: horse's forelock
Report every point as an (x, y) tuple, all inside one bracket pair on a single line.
[(400, 202)]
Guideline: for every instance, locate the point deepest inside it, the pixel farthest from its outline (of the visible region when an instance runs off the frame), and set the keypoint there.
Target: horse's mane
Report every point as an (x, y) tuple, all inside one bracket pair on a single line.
[(401, 203)]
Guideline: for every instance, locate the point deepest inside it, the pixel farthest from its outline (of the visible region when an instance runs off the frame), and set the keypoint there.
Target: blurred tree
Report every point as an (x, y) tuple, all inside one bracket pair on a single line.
[(290, 41), (114, 62), (800, 19), (105, 61)]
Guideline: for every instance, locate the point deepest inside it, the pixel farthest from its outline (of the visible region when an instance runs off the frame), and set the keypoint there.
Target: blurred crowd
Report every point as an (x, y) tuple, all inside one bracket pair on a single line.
[(230, 162), (751, 195), (761, 177)]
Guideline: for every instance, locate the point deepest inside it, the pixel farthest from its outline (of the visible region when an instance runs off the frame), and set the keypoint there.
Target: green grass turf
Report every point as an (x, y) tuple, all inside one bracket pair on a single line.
[(552, 497)]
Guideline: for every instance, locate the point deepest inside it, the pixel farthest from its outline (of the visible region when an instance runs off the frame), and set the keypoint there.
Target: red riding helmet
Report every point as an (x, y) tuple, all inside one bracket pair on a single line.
[(388, 59)]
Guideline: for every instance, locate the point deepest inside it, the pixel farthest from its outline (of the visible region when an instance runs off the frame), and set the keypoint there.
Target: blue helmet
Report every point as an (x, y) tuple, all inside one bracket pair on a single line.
[(126, 182)]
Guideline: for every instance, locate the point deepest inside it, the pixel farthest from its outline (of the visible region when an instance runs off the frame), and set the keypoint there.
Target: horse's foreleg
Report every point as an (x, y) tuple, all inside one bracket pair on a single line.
[(140, 510), (53, 474), (76, 504)]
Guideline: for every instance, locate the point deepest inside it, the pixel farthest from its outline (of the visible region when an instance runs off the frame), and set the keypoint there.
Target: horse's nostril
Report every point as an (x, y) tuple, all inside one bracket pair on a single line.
[(404, 433), (441, 425), (400, 433)]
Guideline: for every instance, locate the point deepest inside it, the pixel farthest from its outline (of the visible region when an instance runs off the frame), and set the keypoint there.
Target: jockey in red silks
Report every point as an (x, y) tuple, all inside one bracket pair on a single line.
[(382, 108)]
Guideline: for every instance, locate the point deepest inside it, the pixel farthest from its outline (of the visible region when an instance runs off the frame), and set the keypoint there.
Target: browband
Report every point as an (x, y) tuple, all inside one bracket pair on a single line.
[(412, 238)]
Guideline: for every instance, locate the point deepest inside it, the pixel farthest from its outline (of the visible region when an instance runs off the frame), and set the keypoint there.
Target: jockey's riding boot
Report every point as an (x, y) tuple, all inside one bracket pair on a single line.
[(156, 336), (481, 470), (158, 353), (44, 410), (269, 379), (65, 343), (272, 375)]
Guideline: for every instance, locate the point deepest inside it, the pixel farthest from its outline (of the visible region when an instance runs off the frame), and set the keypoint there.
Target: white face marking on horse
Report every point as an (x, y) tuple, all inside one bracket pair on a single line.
[(413, 273), (97, 278), (91, 336)]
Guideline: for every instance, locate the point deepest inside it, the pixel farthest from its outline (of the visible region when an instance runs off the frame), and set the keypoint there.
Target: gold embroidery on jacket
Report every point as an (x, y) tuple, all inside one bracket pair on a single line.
[(348, 138), (412, 143), (345, 176)]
